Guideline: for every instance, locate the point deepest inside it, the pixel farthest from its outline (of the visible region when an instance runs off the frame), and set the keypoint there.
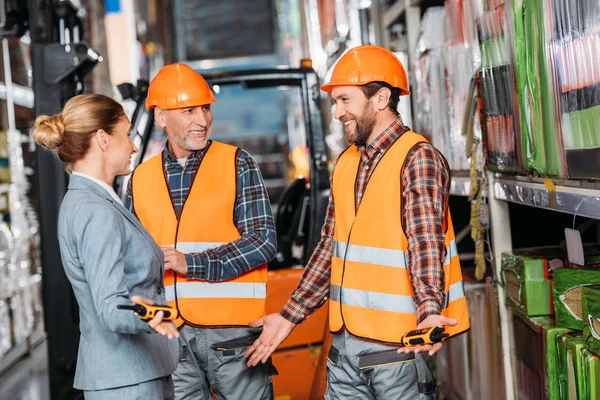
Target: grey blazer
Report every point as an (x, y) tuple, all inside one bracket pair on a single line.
[(109, 256)]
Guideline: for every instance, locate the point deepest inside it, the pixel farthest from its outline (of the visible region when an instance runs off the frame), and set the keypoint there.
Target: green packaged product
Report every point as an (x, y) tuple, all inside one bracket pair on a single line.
[(591, 313), (575, 374), (567, 291), (553, 370), (563, 342), (591, 375), (539, 139), (528, 284)]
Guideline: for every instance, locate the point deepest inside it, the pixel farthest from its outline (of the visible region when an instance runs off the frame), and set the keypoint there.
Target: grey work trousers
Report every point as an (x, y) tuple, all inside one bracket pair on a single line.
[(203, 369), (156, 389), (365, 370)]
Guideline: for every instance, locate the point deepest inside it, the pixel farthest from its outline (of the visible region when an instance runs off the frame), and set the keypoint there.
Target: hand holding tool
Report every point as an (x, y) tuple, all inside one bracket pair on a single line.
[(422, 336), (147, 311)]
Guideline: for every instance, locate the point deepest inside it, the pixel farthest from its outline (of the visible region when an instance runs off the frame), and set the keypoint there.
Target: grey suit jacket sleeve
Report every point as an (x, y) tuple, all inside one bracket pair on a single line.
[(100, 234)]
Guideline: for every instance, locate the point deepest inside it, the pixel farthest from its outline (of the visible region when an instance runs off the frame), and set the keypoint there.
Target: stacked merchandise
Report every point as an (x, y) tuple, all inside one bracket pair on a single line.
[(20, 280), (576, 293), (591, 333), (574, 52), (498, 87), (553, 359)]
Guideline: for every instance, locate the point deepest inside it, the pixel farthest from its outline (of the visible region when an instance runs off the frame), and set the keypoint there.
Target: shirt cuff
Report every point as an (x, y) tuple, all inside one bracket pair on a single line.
[(426, 308), (294, 312), (196, 266)]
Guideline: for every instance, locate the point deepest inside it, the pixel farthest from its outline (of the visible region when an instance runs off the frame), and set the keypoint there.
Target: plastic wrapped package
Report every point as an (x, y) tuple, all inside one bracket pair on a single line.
[(22, 315), (35, 286), (591, 317), (5, 335), (591, 374), (6, 246), (445, 64), (528, 284), (431, 117), (462, 61), (575, 370), (461, 69), (498, 90), (535, 86), (574, 51), (556, 381), (567, 289)]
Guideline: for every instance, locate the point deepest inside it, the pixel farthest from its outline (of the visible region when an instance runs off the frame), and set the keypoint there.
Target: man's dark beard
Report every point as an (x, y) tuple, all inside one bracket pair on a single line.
[(364, 126)]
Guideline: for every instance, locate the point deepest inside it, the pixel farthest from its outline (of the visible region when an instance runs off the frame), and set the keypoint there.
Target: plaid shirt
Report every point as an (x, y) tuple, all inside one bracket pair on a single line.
[(426, 185), (252, 217)]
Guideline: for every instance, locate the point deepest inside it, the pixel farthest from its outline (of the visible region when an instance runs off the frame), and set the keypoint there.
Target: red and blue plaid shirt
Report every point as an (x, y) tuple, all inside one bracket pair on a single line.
[(426, 186)]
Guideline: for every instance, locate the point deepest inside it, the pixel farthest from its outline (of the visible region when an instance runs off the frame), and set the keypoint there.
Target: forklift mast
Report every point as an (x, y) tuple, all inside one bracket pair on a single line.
[(60, 60)]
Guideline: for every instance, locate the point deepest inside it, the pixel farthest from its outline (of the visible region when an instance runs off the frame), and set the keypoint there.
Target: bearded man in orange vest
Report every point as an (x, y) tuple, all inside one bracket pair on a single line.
[(387, 259), (206, 205)]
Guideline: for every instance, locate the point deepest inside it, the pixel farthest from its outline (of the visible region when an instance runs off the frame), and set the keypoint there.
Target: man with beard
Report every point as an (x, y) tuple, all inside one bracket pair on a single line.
[(206, 205), (386, 260)]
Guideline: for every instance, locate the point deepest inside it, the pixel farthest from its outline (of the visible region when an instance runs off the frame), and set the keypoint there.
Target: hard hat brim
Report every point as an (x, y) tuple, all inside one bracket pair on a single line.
[(328, 87), (184, 104)]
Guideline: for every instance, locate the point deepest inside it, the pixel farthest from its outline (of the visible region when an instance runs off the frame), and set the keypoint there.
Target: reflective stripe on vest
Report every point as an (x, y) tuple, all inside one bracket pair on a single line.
[(206, 222), (371, 293), (379, 301), (216, 290), (378, 256)]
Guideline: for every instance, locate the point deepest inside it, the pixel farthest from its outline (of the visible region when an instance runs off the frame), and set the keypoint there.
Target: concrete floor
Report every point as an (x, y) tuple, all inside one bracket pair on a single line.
[(28, 378)]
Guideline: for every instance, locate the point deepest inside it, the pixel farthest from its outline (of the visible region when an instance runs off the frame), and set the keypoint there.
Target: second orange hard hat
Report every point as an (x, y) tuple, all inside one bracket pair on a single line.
[(365, 64), (178, 86)]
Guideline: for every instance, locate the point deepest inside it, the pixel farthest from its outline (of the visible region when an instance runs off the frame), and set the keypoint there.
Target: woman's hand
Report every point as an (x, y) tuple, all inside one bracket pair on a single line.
[(166, 328)]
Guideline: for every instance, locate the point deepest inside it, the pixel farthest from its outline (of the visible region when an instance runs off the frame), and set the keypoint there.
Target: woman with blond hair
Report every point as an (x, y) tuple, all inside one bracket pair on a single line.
[(108, 256)]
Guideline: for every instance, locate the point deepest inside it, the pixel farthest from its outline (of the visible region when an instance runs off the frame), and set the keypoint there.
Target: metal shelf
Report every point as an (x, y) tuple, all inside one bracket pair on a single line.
[(393, 12), (22, 96), (12, 356), (559, 195), (460, 185)]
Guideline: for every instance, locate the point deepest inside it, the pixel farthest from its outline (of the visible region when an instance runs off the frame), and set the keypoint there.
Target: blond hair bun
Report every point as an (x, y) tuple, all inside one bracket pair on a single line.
[(49, 131)]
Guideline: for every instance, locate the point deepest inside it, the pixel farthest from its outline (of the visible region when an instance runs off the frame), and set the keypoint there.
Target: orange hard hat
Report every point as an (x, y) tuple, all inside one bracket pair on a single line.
[(365, 64), (178, 86)]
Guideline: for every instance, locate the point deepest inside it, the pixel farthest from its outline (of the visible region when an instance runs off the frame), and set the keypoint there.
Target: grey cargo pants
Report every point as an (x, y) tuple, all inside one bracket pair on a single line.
[(365, 370), (203, 368)]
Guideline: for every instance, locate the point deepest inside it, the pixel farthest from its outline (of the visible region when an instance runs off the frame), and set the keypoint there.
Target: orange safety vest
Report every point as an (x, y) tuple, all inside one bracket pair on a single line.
[(206, 221), (370, 291)]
